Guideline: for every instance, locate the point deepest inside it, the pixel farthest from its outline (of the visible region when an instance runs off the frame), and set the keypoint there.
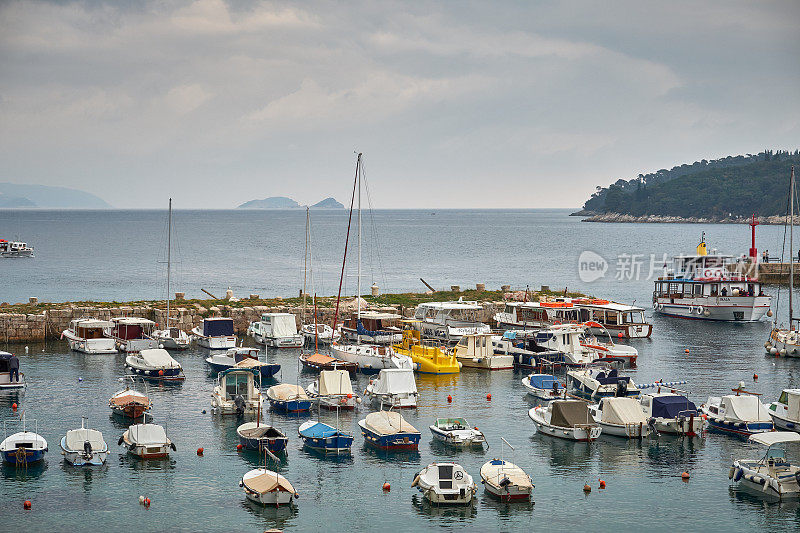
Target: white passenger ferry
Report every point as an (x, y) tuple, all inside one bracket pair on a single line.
[(702, 287), (15, 249)]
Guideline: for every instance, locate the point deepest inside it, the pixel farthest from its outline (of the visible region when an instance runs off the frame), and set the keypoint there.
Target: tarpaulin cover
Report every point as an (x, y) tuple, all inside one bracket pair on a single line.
[(672, 406), (745, 408), (388, 423), (334, 382), (395, 381), (621, 411), (570, 413), (147, 435)]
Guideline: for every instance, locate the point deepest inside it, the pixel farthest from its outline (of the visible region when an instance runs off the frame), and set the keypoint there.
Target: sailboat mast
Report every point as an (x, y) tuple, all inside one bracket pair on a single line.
[(305, 268), (346, 242), (169, 254), (791, 248), (358, 294)]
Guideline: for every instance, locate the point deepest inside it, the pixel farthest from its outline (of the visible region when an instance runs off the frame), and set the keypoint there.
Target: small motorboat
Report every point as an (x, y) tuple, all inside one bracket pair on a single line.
[(172, 338), (257, 436), (215, 333), (565, 419), (621, 417), (741, 415), (236, 392), (5, 374), (325, 438), (23, 447), (146, 441), (785, 412), (457, 431), (394, 387), (319, 362), (15, 249), (288, 398), (321, 332), (544, 387), (388, 430), (333, 390), (133, 334), (476, 350), (772, 476), (155, 364), (89, 335), (595, 383), (266, 487), (242, 358), (84, 446), (130, 403), (278, 330), (506, 481), (371, 358), (445, 483), (672, 413)]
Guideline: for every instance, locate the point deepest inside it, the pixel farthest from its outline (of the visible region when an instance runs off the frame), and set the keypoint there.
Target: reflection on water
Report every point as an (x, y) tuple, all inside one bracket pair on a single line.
[(508, 509), (271, 516), (375, 455), (432, 510), (562, 455), (442, 449), (83, 476), (23, 472), (146, 465)]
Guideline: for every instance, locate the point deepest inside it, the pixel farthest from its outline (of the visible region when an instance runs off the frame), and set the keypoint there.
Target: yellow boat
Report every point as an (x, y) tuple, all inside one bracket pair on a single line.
[(429, 356)]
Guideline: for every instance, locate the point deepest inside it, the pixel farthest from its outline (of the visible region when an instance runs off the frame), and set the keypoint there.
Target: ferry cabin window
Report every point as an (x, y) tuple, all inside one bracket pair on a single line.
[(673, 288), (714, 289), (687, 289), (697, 289), (784, 399)]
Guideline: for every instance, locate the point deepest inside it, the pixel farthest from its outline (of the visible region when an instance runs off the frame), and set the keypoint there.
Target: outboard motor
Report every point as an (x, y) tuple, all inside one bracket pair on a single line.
[(238, 402), (87, 449), (622, 389)]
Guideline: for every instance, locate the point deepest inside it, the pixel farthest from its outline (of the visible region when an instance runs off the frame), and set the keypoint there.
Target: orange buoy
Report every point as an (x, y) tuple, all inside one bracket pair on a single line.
[(685, 476), (14, 406), (602, 483), (587, 488), (27, 505), (488, 397), (349, 395), (200, 451), (239, 447), (686, 350), (620, 335), (387, 487), (755, 377), (147, 502), (449, 399), (160, 372)]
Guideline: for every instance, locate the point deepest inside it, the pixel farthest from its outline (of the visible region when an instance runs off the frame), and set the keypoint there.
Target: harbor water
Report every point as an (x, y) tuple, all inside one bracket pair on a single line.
[(115, 256)]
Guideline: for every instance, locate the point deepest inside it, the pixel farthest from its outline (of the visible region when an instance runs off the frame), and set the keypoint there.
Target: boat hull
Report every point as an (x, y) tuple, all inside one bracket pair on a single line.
[(291, 406), (741, 429), (395, 441), (580, 434), (784, 423), (457, 440), (723, 308), (217, 343), (339, 444), (27, 456), (273, 444), (90, 346), (627, 431), (160, 374), (78, 458), (688, 426)]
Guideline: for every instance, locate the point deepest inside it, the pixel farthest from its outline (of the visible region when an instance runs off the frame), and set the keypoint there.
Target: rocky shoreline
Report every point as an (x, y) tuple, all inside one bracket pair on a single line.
[(777, 220)]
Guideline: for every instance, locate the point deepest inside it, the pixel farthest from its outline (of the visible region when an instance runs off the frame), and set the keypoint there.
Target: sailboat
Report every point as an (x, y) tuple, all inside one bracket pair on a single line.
[(370, 358), (170, 338), (782, 341)]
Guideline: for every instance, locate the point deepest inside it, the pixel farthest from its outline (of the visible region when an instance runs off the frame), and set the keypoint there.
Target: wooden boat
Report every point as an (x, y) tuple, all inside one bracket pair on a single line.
[(565, 419), (428, 356), (622, 417), (266, 487), (772, 476), (506, 481), (257, 436), (84, 446), (319, 362), (147, 441), (129, 403), (288, 398), (445, 483), (456, 431), (388, 430), (544, 387), (333, 390), (23, 447), (325, 438)]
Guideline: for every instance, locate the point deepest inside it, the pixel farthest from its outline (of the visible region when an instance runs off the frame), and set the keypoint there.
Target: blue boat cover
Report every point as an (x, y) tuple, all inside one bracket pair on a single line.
[(361, 330), (672, 406), (544, 381), (319, 431), (218, 327), (510, 335)]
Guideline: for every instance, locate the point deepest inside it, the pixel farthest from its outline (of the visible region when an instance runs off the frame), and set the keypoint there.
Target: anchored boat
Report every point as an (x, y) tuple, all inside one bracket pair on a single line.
[(449, 321), (88, 335), (288, 398), (133, 334), (7, 381), (84, 446), (146, 441), (278, 330), (672, 413), (388, 430), (327, 439), (565, 419), (737, 415), (266, 487), (242, 358), (236, 392), (478, 351), (24, 447), (595, 383), (257, 436), (393, 388), (505, 480), (621, 417), (445, 483), (333, 390), (771, 476), (130, 403), (457, 431), (544, 387), (428, 356), (215, 333), (155, 364), (374, 327), (318, 362), (785, 412)]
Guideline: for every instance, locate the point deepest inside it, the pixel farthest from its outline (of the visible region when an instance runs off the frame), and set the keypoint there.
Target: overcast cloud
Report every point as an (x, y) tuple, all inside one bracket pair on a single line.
[(454, 104)]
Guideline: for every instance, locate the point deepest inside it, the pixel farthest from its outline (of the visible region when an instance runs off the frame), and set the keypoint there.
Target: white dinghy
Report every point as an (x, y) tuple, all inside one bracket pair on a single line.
[(445, 483), (266, 487), (505, 480), (84, 446), (147, 441), (393, 387), (457, 431), (771, 476), (621, 417)]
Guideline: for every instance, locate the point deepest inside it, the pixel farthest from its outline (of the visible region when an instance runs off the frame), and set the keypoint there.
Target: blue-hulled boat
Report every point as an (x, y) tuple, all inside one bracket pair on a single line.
[(155, 364), (256, 436), (288, 398), (737, 415), (388, 430), (242, 358), (325, 438), (544, 387), (24, 447)]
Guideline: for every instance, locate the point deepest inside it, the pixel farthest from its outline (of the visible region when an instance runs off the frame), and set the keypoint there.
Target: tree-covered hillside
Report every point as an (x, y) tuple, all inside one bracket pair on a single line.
[(737, 185)]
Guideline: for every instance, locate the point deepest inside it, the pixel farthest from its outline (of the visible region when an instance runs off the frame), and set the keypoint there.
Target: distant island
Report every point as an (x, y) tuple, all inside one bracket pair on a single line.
[(721, 190), (14, 195), (282, 202)]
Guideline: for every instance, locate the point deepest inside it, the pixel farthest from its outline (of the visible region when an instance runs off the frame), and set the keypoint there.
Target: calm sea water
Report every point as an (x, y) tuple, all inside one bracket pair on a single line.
[(116, 254)]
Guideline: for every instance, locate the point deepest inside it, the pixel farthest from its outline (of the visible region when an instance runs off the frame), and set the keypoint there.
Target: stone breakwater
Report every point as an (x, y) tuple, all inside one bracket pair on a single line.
[(667, 219), (48, 325)]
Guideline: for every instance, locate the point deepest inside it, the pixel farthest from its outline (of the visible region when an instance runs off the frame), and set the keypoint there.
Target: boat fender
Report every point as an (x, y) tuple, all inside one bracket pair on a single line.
[(706, 313), (767, 345), (415, 482), (783, 352), (797, 477), (738, 474), (691, 309), (119, 442), (731, 471), (773, 351)]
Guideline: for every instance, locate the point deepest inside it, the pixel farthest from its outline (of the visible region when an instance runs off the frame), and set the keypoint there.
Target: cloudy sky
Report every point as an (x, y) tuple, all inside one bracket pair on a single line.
[(454, 104)]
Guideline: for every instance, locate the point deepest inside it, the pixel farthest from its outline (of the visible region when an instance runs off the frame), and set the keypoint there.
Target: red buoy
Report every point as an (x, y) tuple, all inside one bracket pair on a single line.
[(387, 487), (755, 377), (147, 502), (587, 489), (449, 399), (27, 505), (685, 476), (14, 406), (239, 447), (686, 350), (200, 451), (488, 397), (602, 483), (160, 372), (620, 335)]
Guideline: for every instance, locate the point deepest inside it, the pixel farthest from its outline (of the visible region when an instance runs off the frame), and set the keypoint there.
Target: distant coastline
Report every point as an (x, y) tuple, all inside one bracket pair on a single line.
[(775, 220)]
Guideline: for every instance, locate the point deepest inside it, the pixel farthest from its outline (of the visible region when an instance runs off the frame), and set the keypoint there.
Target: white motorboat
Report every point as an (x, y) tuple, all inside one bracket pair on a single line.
[(621, 417), (544, 387), (6, 381), (266, 487), (155, 364), (565, 419), (771, 476), (15, 249), (215, 333), (672, 413), (146, 441), (594, 383), (320, 332), (506, 481), (449, 321), (581, 348), (84, 446), (277, 330), (333, 390), (371, 358), (445, 483), (236, 392), (23, 447), (133, 334), (393, 388), (372, 327), (703, 287), (457, 431), (477, 351), (785, 412), (89, 335), (738, 415)]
